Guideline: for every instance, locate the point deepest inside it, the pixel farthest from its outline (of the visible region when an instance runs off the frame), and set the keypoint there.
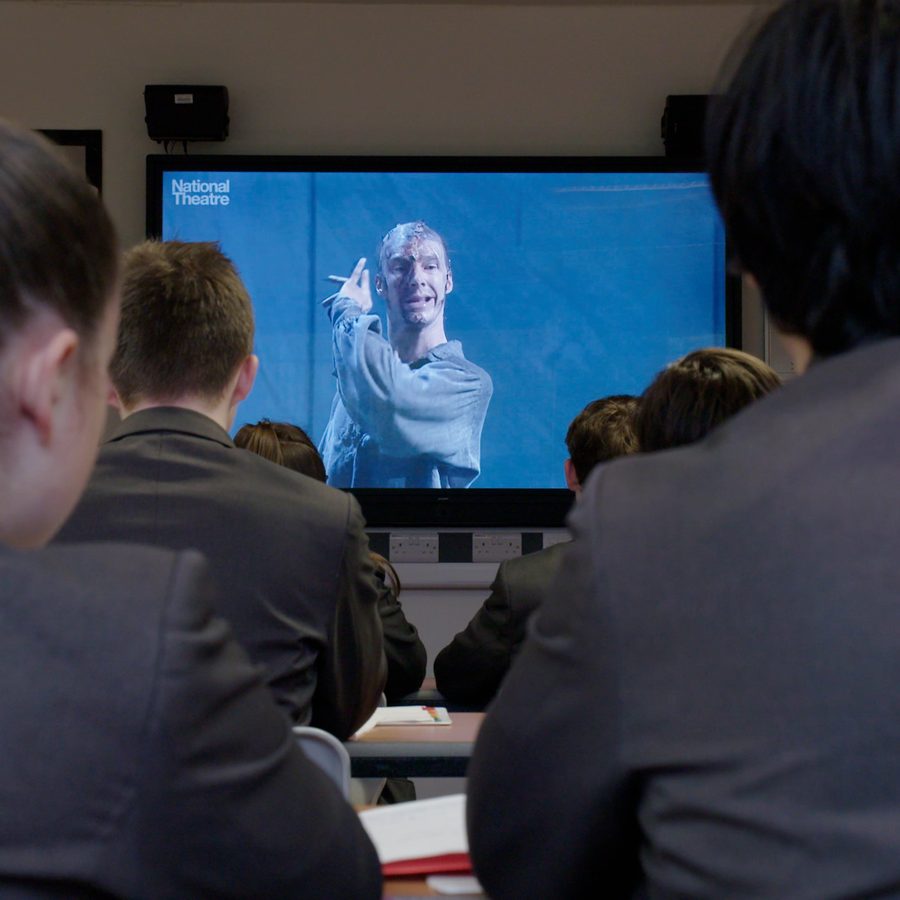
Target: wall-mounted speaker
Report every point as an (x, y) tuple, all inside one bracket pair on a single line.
[(186, 112)]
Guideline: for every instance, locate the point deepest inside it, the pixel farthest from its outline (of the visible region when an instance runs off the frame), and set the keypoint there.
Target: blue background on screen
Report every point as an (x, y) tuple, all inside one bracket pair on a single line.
[(567, 287)]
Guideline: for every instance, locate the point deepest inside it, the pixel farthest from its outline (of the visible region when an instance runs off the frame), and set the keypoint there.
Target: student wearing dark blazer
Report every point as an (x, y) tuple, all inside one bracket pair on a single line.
[(290, 554), (290, 446), (470, 669), (711, 707), (142, 755)]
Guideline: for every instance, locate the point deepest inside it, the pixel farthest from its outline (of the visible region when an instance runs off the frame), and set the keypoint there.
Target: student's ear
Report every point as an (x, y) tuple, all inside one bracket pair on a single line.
[(572, 482), (379, 285), (46, 374), (449, 285), (246, 376)]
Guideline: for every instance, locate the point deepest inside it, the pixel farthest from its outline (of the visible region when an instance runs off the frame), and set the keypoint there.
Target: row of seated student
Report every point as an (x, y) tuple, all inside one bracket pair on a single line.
[(683, 404), (706, 701)]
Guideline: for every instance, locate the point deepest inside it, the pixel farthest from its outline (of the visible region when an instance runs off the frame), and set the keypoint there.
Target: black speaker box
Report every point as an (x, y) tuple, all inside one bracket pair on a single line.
[(682, 125), (186, 112)]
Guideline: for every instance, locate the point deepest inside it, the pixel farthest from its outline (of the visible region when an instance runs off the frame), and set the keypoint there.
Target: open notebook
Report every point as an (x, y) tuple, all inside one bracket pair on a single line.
[(405, 715), (421, 837)]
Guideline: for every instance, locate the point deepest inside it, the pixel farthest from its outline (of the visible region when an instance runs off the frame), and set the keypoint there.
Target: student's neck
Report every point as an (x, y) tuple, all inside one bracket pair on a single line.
[(413, 344), (221, 412)]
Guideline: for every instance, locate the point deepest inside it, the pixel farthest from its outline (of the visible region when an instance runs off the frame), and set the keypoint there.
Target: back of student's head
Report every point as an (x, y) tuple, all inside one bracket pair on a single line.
[(603, 430), (290, 446), (58, 249), (690, 397), (803, 150), (187, 323), (282, 443), (58, 299)]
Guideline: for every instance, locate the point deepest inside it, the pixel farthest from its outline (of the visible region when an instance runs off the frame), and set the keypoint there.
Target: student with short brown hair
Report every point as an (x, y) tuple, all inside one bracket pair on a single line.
[(290, 554), (187, 323), (470, 669)]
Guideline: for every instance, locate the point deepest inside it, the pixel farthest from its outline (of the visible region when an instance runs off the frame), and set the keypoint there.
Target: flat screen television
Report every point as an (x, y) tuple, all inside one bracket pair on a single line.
[(573, 278)]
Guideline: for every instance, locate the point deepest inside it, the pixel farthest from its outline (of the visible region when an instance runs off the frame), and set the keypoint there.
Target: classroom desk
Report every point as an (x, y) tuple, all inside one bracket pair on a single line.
[(415, 751)]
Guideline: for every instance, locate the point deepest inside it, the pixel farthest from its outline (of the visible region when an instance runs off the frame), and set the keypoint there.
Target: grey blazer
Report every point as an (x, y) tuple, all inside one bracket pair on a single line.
[(471, 667), (709, 705), (289, 554), (142, 756)]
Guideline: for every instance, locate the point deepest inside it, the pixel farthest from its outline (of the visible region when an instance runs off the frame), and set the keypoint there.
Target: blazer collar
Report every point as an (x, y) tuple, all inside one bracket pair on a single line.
[(173, 419)]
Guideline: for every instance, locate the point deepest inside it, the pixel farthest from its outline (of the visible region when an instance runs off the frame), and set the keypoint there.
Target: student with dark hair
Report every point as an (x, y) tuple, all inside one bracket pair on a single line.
[(470, 669), (711, 705), (142, 756), (289, 445), (696, 393), (59, 307), (290, 554)]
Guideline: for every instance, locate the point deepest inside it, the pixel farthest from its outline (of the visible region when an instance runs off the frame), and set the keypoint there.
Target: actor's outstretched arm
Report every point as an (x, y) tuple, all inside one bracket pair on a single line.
[(436, 410)]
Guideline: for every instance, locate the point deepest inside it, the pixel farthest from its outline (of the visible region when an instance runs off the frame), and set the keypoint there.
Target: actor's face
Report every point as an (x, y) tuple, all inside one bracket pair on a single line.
[(415, 281)]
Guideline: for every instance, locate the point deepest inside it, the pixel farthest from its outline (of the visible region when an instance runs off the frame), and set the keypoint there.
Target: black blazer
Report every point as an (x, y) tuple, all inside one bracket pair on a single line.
[(289, 553), (141, 756), (709, 705), (471, 667), (403, 648)]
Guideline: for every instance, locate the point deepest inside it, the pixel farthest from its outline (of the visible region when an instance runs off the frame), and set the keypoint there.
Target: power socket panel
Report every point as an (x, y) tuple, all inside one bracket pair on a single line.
[(414, 548), (496, 546)]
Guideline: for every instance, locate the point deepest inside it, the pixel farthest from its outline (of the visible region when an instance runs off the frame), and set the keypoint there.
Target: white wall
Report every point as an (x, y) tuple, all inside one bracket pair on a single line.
[(361, 78)]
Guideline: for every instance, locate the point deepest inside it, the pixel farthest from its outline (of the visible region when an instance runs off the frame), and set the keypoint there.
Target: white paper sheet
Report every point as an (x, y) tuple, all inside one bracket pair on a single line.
[(454, 884), (418, 829)]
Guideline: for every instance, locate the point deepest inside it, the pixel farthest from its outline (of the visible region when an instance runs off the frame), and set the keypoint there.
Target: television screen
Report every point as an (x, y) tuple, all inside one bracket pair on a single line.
[(533, 287)]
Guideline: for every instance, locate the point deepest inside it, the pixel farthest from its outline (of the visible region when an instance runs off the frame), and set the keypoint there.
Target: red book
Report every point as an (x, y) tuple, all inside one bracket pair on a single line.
[(429, 865)]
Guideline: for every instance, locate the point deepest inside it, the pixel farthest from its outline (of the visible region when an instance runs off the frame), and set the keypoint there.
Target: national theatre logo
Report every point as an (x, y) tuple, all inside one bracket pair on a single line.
[(194, 192)]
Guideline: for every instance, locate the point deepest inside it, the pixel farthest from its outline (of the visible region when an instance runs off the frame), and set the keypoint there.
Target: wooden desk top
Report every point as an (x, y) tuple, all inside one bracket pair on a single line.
[(407, 887), (415, 751), (463, 729)]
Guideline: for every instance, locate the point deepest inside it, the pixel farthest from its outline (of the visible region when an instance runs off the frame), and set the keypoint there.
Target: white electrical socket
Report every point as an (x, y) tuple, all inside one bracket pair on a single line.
[(410, 548), (496, 547)]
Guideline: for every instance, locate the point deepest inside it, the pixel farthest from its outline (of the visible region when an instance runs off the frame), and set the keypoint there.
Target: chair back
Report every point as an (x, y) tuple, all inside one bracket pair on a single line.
[(328, 753)]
